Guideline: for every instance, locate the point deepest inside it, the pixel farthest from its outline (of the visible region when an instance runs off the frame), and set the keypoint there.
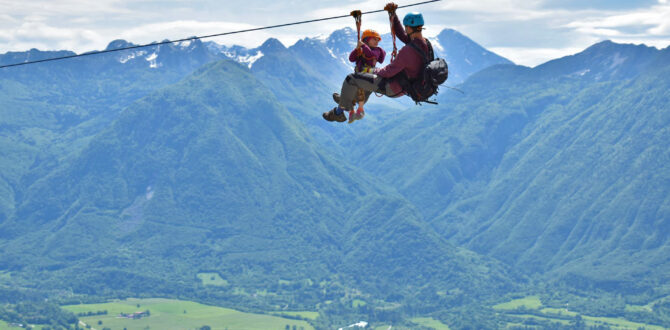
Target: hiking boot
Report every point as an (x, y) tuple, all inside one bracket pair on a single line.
[(333, 116)]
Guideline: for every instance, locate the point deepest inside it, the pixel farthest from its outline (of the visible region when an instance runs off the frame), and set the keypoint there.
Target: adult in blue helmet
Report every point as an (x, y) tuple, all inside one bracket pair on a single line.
[(391, 80)]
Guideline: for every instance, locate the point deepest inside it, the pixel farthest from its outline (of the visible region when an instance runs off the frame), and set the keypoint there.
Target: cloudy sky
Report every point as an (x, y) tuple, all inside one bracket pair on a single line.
[(528, 32)]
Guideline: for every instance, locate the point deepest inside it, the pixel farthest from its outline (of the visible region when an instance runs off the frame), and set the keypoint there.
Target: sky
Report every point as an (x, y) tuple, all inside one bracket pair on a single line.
[(528, 32)]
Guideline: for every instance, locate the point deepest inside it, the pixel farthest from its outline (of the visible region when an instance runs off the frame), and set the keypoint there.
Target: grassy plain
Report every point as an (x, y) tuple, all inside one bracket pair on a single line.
[(530, 302), (533, 303), (212, 279), (305, 314), (430, 322), (175, 314)]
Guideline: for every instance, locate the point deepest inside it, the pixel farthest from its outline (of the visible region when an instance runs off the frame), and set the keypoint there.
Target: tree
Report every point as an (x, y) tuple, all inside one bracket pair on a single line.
[(205, 327)]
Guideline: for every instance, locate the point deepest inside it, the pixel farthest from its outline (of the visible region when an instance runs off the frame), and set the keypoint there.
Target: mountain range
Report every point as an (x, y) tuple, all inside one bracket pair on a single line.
[(557, 172), (133, 172)]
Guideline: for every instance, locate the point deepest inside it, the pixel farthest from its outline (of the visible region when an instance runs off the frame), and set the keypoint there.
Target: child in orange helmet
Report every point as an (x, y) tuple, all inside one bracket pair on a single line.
[(366, 55)]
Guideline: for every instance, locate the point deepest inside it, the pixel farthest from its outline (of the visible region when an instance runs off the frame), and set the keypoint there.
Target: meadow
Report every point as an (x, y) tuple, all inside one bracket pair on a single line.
[(531, 308), (177, 314)]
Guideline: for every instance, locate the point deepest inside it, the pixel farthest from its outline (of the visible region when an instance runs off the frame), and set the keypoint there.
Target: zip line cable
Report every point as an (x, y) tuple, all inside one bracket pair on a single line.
[(207, 36)]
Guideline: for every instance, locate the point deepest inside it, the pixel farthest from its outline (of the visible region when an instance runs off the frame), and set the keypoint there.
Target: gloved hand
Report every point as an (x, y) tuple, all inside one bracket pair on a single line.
[(391, 7)]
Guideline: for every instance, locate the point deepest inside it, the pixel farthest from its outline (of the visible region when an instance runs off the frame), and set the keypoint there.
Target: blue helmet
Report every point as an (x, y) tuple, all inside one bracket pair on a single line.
[(413, 19)]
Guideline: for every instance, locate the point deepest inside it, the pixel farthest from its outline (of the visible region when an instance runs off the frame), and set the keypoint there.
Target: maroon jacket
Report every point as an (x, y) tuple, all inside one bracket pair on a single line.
[(408, 60), (367, 57)]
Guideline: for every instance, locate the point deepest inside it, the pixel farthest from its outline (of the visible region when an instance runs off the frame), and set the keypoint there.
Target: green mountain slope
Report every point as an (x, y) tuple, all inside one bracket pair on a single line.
[(213, 175), (585, 190), (50, 111), (562, 175)]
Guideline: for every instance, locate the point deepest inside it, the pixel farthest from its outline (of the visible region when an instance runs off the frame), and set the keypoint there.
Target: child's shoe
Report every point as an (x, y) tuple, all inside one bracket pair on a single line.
[(352, 116), (360, 114)]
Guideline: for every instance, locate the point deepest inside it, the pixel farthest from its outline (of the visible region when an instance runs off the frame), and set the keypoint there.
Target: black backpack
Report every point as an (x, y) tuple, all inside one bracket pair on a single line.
[(434, 73)]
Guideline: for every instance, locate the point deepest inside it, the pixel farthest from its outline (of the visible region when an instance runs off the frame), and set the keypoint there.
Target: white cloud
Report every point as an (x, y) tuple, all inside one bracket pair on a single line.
[(42, 36), (184, 29), (650, 26), (526, 31), (62, 7), (501, 10), (534, 56), (6, 19)]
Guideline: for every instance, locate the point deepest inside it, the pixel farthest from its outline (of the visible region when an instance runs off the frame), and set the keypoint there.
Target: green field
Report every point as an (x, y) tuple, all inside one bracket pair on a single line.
[(638, 308), (558, 311), (535, 317), (618, 323), (176, 314), (530, 302), (4, 325), (212, 279), (305, 315), (430, 322), (358, 302), (552, 314), (646, 308)]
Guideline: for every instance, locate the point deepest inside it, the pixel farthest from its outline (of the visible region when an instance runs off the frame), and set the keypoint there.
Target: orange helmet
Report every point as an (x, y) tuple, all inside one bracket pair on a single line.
[(371, 33)]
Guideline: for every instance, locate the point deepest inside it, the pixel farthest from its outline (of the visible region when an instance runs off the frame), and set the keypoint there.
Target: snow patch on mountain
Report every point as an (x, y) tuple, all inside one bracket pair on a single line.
[(152, 60), (250, 59), (131, 56), (185, 44), (617, 60), (330, 51)]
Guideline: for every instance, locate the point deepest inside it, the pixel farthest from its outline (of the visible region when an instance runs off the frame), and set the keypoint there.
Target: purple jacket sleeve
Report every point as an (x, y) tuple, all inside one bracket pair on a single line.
[(354, 55), (396, 66), (382, 55), (400, 30)]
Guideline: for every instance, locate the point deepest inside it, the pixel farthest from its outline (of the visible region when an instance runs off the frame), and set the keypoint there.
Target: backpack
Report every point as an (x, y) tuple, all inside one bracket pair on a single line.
[(434, 73)]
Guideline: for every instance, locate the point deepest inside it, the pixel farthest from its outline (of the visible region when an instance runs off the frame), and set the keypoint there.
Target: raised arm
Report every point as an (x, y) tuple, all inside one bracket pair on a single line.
[(400, 30), (397, 27)]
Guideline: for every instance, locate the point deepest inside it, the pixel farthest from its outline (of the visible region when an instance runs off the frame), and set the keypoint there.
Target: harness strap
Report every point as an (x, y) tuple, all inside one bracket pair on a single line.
[(391, 8), (426, 58), (357, 14), (394, 54)]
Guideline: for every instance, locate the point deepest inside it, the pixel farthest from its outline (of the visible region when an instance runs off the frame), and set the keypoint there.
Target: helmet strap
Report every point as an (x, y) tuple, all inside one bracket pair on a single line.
[(415, 30)]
